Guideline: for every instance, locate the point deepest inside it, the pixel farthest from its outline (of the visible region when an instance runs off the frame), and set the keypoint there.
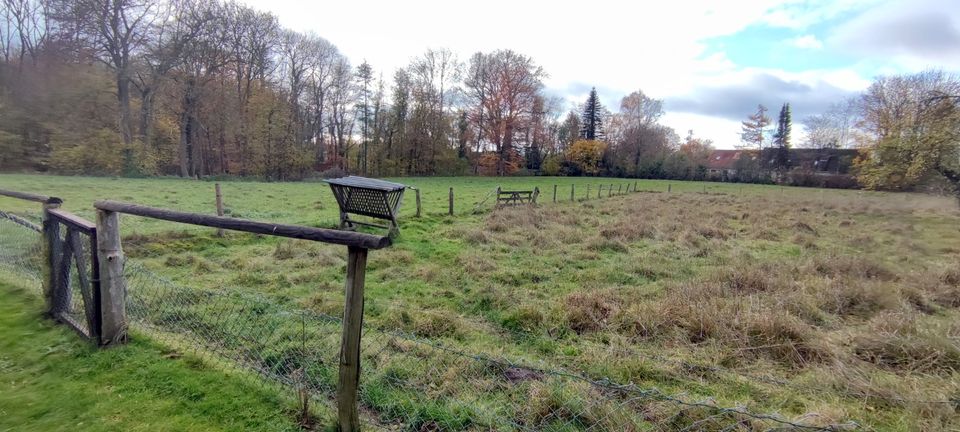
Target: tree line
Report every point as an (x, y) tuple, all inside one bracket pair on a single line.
[(207, 88), (906, 127), (198, 88)]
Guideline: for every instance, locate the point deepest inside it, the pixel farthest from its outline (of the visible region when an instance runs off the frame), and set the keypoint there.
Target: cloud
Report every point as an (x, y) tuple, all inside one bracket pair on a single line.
[(734, 101), (916, 34), (806, 42)]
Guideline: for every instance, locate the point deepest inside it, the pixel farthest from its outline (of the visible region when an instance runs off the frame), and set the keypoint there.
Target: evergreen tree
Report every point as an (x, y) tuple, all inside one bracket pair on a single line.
[(781, 139), (592, 124)]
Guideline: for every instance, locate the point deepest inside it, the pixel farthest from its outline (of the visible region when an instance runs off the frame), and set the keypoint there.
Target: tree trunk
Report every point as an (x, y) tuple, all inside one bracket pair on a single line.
[(146, 115), (126, 129)]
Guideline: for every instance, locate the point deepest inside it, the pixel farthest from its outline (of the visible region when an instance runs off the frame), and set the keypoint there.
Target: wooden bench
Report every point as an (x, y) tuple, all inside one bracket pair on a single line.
[(373, 198), (519, 197)]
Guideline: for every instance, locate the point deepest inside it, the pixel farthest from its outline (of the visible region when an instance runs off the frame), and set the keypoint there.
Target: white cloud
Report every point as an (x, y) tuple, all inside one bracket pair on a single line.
[(614, 45), (911, 35), (806, 42)]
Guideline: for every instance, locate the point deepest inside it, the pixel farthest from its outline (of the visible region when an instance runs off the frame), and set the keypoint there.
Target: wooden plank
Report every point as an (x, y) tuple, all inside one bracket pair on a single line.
[(86, 287), (43, 199), (348, 419), (219, 199), (113, 292), (73, 221), (97, 322), (21, 221), (418, 201), (51, 254), (367, 241)]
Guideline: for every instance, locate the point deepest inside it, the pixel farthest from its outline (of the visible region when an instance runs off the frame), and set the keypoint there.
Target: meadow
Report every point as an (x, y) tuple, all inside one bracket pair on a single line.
[(827, 306)]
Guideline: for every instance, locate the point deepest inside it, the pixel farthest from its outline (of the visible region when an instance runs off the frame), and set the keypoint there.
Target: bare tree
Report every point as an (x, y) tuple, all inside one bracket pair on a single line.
[(117, 30), (25, 29), (342, 98), (504, 85), (324, 57), (179, 23), (835, 128)]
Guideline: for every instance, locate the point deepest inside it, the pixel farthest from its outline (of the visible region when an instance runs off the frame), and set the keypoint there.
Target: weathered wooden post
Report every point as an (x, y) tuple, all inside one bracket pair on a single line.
[(52, 247), (113, 286), (600, 191), (619, 189), (348, 418), (216, 187), (572, 196), (634, 185), (588, 191), (451, 201), (417, 191), (554, 193), (669, 186), (610, 191)]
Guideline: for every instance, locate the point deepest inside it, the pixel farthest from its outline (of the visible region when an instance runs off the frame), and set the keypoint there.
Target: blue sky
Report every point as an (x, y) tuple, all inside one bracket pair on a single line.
[(711, 62)]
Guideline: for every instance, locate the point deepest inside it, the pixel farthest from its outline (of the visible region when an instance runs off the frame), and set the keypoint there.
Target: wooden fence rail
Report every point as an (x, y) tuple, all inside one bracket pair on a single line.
[(358, 244)]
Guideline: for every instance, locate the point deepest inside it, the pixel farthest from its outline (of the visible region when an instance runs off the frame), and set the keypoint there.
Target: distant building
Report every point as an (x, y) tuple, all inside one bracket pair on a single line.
[(725, 164), (828, 161), (806, 167)]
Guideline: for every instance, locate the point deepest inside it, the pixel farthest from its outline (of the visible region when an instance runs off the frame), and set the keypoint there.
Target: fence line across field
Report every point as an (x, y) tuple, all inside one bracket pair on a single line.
[(295, 347)]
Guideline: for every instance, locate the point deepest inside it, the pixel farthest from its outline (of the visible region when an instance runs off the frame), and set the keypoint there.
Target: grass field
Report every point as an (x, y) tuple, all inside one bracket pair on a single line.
[(823, 305), (52, 381)]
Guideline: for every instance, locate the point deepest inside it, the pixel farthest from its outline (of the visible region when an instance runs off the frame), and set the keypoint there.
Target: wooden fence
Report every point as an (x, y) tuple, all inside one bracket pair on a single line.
[(102, 287)]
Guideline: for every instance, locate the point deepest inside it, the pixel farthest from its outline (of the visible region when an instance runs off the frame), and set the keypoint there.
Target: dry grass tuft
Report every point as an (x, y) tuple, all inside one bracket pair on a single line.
[(588, 311), (902, 341), (853, 266)]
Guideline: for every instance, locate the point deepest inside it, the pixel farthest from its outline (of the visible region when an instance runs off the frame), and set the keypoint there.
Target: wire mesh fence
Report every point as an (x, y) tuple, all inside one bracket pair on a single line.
[(21, 247), (411, 383), (408, 382)]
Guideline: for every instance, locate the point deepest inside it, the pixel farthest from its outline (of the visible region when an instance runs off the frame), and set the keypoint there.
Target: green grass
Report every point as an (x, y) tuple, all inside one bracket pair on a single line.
[(50, 380), (644, 288)]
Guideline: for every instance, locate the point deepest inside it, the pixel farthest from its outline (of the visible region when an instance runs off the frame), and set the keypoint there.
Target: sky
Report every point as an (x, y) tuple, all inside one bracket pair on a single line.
[(711, 62)]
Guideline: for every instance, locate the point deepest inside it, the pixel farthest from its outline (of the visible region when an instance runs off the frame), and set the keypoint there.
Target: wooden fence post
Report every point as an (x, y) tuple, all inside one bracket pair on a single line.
[(554, 193), (113, 286), (572, 196), (634, 185), (588, 191), (348, 418), (52, 247), (418, 201), (216, 187), (451, 201), (610, 191), (620, 189), (669, 186), (600, 191)]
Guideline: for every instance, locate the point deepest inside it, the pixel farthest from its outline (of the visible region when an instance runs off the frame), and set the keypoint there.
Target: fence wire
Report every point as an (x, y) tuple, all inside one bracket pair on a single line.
[(407, 382), (21, 247), (411, 383)]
